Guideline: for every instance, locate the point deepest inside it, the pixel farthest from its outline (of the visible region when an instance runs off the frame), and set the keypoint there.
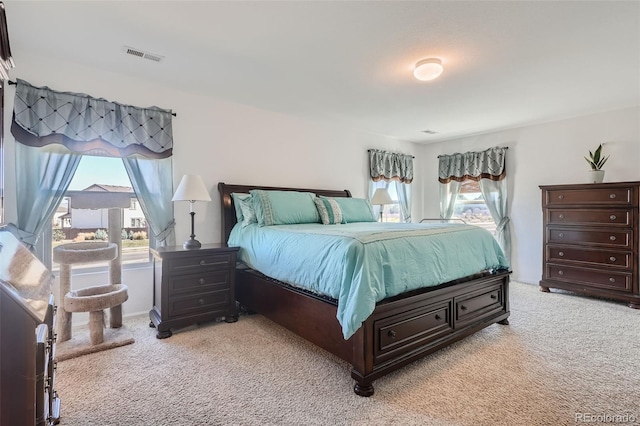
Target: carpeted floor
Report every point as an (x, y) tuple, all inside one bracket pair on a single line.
[(563, 360)]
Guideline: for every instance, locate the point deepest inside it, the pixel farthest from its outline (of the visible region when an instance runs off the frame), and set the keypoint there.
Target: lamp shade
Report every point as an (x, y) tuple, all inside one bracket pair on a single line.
[(428, 69), (381, 197), (191, 188)]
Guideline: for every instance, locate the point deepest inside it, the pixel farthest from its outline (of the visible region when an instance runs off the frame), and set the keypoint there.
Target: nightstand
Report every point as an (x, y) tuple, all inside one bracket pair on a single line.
[(192, 286)]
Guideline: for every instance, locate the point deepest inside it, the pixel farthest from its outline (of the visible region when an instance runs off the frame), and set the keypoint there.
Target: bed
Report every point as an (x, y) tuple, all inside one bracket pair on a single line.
[(400, 329)]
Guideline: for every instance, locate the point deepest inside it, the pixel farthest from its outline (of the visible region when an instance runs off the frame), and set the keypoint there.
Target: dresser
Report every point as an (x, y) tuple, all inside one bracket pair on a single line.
[(192, 286), (591, 240)]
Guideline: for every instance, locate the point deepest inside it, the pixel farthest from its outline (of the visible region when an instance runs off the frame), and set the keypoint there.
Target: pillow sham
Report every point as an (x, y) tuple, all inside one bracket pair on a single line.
[(245, 214), (284, 207), (329, 211), (355, 209)]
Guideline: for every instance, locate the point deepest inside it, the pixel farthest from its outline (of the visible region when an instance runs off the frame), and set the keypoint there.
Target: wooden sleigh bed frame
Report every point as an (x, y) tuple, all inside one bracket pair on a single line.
[(401, 329)]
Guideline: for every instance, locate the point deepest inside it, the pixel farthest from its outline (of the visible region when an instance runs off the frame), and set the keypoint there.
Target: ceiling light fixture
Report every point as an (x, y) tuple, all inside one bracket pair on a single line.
[(428, 69)]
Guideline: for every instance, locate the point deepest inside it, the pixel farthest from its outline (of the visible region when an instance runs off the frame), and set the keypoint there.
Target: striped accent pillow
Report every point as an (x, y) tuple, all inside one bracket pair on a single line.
[(329, 211)]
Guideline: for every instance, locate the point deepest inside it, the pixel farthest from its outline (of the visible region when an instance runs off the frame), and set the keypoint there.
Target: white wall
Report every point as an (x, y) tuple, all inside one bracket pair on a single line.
[(543, 154), (221, 141)]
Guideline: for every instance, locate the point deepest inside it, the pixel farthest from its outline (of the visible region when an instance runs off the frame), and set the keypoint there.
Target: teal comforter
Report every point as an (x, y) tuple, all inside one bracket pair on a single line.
[(360, 264)]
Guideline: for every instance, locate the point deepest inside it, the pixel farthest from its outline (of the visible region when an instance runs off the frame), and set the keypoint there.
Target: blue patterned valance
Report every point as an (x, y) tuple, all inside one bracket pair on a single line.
[(390, 166), (487, 164), (84, 124)]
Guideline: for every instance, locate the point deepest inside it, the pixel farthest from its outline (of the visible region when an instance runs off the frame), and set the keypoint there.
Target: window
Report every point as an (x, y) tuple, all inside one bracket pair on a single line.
[(96, 176), (391, 212), (471, 207)]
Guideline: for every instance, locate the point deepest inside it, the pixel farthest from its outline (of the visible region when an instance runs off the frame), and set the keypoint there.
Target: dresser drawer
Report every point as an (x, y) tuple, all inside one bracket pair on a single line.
[(619, 281), (588, 196), (594, 256), (609, 217), (592, 237), (190, 264), (477, 304), (198, 283), (413, 328), (198, 303)]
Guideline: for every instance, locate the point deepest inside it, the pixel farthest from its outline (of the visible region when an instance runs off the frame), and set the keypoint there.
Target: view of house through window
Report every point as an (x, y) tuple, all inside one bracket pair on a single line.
[(471, 207), (95, 178)]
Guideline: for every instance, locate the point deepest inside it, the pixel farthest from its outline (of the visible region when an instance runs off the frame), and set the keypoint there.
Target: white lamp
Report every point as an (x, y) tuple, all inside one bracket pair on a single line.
[(191, 189), (428, 69), (380, 198)]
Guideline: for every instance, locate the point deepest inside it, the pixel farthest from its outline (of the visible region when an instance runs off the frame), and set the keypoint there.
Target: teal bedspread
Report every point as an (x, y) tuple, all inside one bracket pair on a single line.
[(360, 264)]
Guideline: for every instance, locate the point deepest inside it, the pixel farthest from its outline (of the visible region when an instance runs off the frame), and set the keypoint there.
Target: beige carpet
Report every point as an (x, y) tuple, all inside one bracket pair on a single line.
[(562, 357), (80, 342)]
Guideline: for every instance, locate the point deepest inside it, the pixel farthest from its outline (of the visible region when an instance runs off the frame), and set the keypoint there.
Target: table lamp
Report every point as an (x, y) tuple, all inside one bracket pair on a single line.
[(191, 189), (380, 198)]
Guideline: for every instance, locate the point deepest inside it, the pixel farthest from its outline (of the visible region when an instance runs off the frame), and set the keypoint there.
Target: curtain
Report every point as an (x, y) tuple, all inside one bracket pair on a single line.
[(392, 169), (40, 190), (55, 128), (153, 184), (488, 169)]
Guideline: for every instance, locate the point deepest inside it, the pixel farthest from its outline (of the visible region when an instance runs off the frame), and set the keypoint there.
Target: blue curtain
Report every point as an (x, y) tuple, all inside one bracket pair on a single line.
[(153, 184), (42, 178)]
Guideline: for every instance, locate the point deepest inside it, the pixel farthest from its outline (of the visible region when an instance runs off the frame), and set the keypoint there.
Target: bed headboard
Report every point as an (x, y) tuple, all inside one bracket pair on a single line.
[(228, 219)]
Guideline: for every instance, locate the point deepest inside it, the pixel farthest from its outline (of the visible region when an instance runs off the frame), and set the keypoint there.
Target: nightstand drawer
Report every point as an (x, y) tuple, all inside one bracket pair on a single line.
[(197, 303), (190, 264), (198, 283)]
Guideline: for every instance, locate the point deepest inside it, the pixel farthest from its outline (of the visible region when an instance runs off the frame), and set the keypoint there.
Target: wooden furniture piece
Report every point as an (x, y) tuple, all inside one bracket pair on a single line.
[(401, 329), (192, 286), (27, 339), (591, 240)]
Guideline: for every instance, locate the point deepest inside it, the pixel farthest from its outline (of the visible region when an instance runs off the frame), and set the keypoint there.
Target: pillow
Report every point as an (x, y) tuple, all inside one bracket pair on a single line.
[(245, 214), (329, 211), (355, 209), (284, 207)]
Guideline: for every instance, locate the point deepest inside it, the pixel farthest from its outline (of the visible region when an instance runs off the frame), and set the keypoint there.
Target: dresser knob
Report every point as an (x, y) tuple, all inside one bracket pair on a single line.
[(612, 196), (438, 317), (201, 301), (494, 297), (613, 217), (612, 280), (612, 238), (201, 281), (463, 308), (392, 334), (561, 253), (561, 235), (560, 197), (202, 262), (561, 216), (560, 272), (613, 259)]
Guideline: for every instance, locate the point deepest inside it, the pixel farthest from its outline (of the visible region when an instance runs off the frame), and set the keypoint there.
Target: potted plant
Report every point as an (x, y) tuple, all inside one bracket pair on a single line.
[(596, 161)]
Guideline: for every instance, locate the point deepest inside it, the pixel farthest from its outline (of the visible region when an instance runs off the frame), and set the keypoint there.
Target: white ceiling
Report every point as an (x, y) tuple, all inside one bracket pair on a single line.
[(507, 63)]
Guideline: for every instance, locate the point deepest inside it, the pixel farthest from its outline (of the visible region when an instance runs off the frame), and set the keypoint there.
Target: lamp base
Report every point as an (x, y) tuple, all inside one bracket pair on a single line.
[(192, 244)]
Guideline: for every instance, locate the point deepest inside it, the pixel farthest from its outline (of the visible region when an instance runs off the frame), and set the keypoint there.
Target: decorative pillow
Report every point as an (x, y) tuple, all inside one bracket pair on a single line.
[(245, 214), (284, 207), (329, 211), (355, 209)]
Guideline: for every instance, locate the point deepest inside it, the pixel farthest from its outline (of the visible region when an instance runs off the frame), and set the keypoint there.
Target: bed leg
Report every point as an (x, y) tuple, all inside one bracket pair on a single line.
[(363, 389), (504, 321)]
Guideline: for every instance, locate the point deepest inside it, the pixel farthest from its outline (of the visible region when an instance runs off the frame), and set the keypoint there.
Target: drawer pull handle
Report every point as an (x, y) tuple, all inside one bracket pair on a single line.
[(560, 272), (612, 280), (561, 253), (613, 217), (201, 301), (612, 238), (612, 258), (561, 216), (612, 196), (201, 281), (463, 308), (392, 334), (202, 262), (494, 297), (438, 317), (561, 235), (560, 197)]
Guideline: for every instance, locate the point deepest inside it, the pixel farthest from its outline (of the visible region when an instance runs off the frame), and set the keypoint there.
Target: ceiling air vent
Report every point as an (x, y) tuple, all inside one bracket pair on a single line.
[(429, 132), (142, 54)]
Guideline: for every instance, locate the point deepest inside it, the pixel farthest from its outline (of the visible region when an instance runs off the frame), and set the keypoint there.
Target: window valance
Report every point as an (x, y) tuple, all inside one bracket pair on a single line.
[(390, 166), (84, 124), (458, 167)]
